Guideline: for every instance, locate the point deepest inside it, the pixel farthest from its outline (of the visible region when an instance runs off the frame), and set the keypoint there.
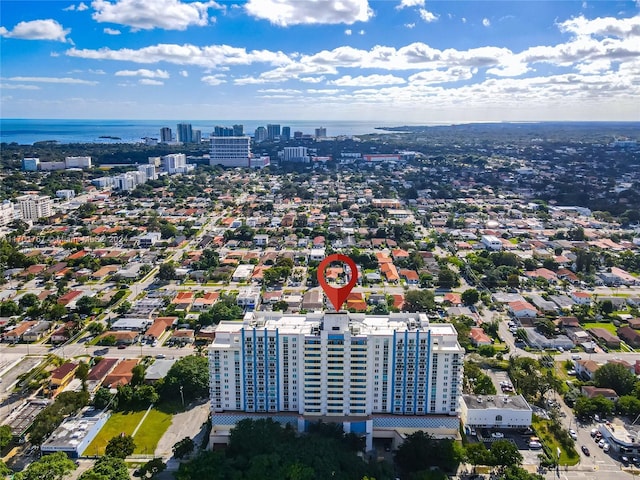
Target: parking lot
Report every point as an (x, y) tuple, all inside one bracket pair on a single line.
[(521, 440)]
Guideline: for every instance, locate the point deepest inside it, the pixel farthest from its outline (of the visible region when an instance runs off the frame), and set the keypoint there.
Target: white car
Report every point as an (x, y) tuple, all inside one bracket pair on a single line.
[(573, 434), (497, 435), (535, 445), (606, 447), (601, 443)]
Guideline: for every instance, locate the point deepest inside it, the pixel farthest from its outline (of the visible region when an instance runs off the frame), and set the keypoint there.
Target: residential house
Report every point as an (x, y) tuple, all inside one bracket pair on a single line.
[(61, 377), (121, 336), (522, 309), (242, 273), (121, 374), (183, 301), (158, 370), (205, 302), (248, 297), (160, 325), (99, 371), (313, 300), (630, 336), (390, 272), (183, 336), (70, 298), (15, 335), (605, 336), (585, 368), (592, 392), (37, 332), (581, 298), (478, 337)]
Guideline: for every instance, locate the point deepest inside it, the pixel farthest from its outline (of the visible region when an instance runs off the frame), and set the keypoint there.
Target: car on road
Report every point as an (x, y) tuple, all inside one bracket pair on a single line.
[(497, 435), (576, 357), (573, 434), (121, 346), (100, 351), (586, 451)]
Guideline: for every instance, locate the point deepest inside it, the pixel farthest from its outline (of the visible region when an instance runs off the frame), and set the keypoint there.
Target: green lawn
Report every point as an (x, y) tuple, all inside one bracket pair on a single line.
[(121, 422), (606, 325), (541, 428), (151, 431), (146, 438)]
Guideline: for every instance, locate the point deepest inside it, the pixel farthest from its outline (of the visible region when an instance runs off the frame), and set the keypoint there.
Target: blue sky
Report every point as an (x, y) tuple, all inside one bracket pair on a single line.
[(406, 61)]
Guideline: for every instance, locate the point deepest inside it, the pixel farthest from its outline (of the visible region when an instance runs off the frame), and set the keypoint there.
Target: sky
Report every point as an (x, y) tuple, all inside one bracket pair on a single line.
[(405, 61)]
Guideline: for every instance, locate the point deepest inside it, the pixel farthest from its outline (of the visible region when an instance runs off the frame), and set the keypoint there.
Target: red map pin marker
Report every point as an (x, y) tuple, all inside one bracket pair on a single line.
[(337, 296)]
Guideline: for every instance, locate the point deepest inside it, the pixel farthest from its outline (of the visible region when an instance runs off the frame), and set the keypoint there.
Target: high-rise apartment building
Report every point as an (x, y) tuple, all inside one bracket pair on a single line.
[(230, 151), (33, 207), (286, 134), (376, 375), (273, 131), (166, 136), (197, 136), (174, 163), (220, 131), (321, 132), (149, 171), (260, 135), (238, 130), (7, 213), (184, 133)]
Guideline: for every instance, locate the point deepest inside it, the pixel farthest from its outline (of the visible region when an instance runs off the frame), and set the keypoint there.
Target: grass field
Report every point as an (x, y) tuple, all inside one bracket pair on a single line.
[(146, 438), (606, 325)]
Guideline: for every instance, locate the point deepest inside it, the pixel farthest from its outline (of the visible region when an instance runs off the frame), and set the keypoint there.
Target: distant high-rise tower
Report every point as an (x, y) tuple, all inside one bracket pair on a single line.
[(166, 135), (273, 131), (220, 131), (197, 136), (238, 130), (185, 133), (286, 134), (297, 135), (321, 132), (260, 135)]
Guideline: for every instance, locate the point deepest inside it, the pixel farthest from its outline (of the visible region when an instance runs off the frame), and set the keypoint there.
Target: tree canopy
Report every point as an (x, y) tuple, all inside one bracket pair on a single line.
[(192, 374), (420, 451), (615, 376), (419, 301), (107, 468), (50, 467), (120, 446)]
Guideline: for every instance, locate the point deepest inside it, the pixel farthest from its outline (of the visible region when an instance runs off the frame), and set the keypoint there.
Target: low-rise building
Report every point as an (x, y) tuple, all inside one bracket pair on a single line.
[(75, 434), (495, 411)]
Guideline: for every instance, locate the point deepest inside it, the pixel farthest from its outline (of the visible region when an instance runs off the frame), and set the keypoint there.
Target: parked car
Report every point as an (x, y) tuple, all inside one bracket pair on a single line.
[(606, 448), (535, 445), (601, 443), (497, 435), (576, 357), (573, 434), (586, 451)]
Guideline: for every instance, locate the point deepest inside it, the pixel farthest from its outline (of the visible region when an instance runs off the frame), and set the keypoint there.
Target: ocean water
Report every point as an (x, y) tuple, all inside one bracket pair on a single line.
[(28, 131)]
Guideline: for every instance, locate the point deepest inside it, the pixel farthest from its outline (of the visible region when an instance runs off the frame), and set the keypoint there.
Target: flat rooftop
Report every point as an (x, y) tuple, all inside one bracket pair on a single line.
[(73, 431), (484, 402)]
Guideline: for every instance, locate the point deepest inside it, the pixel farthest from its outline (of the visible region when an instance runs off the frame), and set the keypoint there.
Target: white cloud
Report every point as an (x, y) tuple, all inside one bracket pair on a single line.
[(214, 80), (213, 56), (442, 76), (602, 27), (18, 86), (143, 72), (319, 79), (324, 91), (296, 12), (184, 73), (111, 31), (486, 22), (361, 32), (367, 81), (427, 16), (348, 31), (410, 25), (148, 81), (279, 90), (82, 7), (97, 72), (38, 30), (410, 3), (464, 20), (150, 14), (67, 80)]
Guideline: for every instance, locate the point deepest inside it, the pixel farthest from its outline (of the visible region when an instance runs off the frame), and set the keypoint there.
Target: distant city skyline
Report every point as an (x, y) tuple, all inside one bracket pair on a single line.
[(404, 61)]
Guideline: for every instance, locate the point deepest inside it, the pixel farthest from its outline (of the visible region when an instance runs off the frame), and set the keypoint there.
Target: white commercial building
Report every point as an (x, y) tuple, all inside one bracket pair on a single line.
[(65, 194), (296, 154), (75, 434), (495, 411), (77, 162), (33, 207), (491, 242), (149, 171), (230, 151), (30, 164), (378, 376)]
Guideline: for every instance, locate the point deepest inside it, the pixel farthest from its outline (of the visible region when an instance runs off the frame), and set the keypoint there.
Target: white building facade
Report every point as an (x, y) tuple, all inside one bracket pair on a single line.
[(379, 376), (230, 151), (495, 411), (7, 213), (77, 162), (33, 207)]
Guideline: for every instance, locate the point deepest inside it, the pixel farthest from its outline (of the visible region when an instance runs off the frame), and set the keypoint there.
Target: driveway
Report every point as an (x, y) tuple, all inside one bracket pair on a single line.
[(185, 424)]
